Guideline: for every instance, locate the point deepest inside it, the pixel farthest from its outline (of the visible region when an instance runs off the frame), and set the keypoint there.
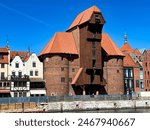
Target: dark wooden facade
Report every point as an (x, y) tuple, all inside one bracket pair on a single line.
[(90, 56)]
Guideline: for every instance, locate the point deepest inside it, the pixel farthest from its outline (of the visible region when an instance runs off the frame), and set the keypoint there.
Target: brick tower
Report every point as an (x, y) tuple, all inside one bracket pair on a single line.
[(87, 31)]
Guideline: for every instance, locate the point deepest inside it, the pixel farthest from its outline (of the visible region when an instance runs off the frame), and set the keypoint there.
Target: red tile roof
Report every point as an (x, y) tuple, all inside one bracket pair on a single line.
[(4, 60), (128, 61), (137, 52), (4, 53), (23, 55), (148, 52), (62, 42), (109, 46), (4, 50), (84, 16), (126, 48)]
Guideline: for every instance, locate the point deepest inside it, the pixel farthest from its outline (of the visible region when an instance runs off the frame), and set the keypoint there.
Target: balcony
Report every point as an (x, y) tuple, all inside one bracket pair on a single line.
[(19, 78), (3, 78)]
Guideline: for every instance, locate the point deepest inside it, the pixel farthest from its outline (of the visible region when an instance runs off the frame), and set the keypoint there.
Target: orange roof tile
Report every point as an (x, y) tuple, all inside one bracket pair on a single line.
[(137, 52), (62, 42), (4, 58), (84, 16), (128, 61), (126, 48), (4, 50), (109, 46), (148, 52), (23, 55)]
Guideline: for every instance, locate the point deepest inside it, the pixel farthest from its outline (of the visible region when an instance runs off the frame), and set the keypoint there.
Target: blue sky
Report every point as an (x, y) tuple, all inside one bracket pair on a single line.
[(32, 23)]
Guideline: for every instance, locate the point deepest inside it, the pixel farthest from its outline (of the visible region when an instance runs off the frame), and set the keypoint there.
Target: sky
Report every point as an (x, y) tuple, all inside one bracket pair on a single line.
[(32, 23)]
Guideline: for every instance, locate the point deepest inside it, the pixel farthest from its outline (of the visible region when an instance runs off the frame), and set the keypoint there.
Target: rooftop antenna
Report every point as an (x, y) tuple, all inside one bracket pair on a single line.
[(125, 38), (7, 41), (28, 51)]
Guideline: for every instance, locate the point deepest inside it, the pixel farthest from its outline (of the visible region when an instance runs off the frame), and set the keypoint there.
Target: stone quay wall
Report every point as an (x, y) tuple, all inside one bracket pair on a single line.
[(97, 105), (75, 106)]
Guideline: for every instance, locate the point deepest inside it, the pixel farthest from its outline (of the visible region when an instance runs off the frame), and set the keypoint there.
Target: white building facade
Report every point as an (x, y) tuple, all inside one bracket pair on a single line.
[(34, 68), (26, 76), (20, 83)]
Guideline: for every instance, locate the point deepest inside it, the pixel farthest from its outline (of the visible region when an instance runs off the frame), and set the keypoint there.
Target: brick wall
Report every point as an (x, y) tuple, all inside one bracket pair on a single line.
[(113, 73), (59, 71), (146, 71), (136, 79)]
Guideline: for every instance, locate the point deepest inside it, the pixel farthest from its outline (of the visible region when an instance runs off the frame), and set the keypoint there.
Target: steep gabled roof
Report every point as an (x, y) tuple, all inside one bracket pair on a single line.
[(148, 52), (109, 46), (62, 42), (128, 61), (23, 55), (137, 52), (84, 16), (126, 48)]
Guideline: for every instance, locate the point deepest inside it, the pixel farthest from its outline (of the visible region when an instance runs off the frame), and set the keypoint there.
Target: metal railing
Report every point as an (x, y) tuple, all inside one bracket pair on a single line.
[(63, 98)]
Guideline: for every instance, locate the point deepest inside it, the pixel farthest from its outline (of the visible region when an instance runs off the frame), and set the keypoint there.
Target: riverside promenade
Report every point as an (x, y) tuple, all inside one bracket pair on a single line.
[(73, 103)]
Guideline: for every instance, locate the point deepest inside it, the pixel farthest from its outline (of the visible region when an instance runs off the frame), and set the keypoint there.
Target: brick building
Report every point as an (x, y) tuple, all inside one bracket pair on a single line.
[(133, 70), (77, 62), (112, 65), (146, 70), (4, 64)]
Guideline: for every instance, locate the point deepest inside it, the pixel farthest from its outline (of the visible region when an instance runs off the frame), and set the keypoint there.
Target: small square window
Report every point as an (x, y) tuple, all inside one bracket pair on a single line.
[(36, 73), (13, 74), (2, 65), (34, 64), (146, 64), (31, 73), (70, 79), (20, 74), (62, 79), (73, 69), (2, 75), (17, 65), (62, 69)]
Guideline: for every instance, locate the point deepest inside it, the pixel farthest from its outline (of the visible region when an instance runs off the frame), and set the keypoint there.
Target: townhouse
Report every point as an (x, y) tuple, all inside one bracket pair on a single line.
[(21, 74), (133, 68), (4, 67)]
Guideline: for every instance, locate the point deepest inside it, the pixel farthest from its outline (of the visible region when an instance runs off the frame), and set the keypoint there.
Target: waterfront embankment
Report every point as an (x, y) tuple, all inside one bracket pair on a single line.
[(76, 106), (97, 105)]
